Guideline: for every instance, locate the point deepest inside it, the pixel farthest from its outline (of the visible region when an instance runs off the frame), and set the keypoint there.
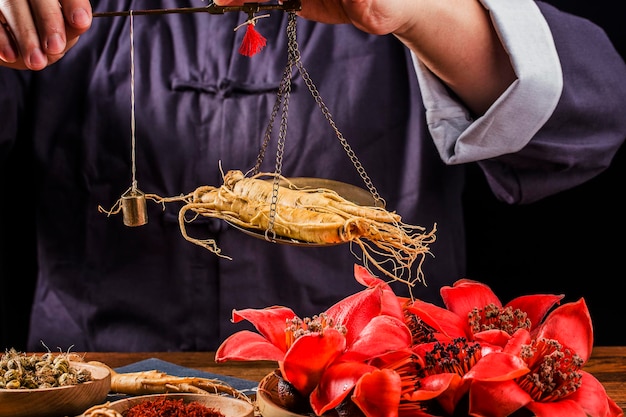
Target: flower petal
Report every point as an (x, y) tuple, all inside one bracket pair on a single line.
[(309, 356), (496, 399), (392, 304), (494, 337), (593, 399), (467, 294), (562, 408), (378, 393), (356, 311), (248, 346), (498, 366), (365, 277), (520, 338), (336, 383), (433, 386), (535, 306), (381, 335), (571, 325), (457, 388), (270, 322), (442, 320)]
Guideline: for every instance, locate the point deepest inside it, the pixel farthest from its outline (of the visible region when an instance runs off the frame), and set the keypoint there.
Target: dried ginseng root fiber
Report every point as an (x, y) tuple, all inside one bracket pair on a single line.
[(317, 216)]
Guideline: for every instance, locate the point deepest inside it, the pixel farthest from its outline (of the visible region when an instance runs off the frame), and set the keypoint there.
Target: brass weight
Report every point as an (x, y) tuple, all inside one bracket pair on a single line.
[(134, 208)]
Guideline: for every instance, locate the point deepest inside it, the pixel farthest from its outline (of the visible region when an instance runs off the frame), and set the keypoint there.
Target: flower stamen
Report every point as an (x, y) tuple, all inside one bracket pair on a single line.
[(554, 370), (492, 317), (297, 327), (456, 357), (420, 331)]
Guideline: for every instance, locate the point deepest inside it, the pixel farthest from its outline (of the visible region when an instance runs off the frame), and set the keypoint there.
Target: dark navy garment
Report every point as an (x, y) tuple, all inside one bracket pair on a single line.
[(103, 286)]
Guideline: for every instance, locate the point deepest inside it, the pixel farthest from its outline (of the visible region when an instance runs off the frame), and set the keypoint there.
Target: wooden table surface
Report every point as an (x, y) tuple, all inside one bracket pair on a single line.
[(607, 364)]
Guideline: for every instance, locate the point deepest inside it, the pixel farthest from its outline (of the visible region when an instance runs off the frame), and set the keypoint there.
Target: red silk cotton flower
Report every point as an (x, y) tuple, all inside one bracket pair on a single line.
[(381, 355), (549, 379), (357, 328), (474, 312)]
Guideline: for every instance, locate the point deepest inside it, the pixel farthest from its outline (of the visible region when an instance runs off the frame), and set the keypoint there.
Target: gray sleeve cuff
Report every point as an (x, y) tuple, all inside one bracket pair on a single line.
[(515, 117)]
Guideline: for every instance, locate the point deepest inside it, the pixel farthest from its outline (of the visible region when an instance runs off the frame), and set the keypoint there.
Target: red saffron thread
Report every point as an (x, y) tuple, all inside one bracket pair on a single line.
[(167, 407)]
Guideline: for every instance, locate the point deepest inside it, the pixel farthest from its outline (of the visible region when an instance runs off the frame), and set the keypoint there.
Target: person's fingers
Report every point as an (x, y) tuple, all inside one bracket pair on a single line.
[(21, 27), (78, 17), (37, 33), (50, 26), (54, 58), (60, 23), (8, 49)]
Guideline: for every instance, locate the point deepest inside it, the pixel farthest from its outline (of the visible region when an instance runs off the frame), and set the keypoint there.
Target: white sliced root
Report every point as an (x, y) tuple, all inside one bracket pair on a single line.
[(102, 410)]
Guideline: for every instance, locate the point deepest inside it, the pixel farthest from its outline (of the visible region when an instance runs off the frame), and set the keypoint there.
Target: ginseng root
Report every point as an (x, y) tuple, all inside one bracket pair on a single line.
[(156, 382), (317, 216)]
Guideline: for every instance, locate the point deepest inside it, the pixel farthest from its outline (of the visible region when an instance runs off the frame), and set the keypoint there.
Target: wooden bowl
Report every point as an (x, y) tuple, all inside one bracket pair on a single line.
[(60, 401), (267, 399), (229, 406)]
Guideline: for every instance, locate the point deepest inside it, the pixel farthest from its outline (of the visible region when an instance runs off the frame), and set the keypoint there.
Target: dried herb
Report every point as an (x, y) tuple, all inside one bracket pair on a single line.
[(21, 371), (168, 407)]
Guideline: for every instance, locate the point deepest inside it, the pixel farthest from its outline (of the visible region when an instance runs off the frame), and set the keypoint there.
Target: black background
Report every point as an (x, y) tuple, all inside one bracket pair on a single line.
[(567, 244)]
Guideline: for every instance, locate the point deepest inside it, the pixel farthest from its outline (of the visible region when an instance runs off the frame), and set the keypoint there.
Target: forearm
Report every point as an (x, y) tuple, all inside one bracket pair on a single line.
[(523, 109), (455, 39), (457, 42)]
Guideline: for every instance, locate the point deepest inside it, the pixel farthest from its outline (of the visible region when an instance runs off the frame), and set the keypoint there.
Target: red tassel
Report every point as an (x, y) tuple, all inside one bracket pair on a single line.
[(252, 42)]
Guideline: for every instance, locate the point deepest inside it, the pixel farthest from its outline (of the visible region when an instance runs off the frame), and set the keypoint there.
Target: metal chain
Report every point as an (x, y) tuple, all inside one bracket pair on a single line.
[(282, 105), (277, 105), (346, 146)]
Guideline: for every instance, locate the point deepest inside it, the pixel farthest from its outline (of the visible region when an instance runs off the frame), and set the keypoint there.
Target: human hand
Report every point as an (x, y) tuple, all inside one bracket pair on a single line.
[(378, 17), (36, 34), (456, 42)]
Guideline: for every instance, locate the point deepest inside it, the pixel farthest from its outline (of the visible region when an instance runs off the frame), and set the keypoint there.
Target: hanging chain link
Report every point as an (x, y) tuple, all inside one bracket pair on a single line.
[(282, 105), (346, 146)]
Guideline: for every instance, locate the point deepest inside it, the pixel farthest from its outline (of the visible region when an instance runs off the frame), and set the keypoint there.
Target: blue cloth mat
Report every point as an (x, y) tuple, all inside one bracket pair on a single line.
[(246, 386)]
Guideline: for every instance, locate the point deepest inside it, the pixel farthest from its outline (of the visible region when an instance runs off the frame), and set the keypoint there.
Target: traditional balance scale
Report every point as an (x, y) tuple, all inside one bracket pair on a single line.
[(294, 211)]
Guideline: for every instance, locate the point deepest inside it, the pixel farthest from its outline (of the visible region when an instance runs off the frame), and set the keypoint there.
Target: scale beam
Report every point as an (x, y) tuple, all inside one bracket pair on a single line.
[(250, 8)]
